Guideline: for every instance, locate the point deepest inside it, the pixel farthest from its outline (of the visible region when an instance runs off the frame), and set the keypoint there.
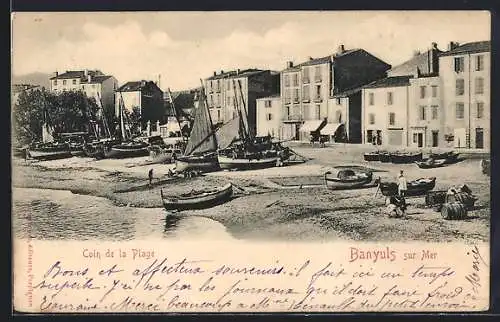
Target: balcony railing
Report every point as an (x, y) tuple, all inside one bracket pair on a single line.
[(318, 79), (306, 80), (287, 101), (296, 100), (318, 99), (306, 100)]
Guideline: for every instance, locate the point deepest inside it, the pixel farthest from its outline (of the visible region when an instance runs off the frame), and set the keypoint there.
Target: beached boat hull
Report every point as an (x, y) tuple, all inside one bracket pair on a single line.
[(374, 156), (427, 165), (121, 151), (405, 158), (201, 200), (359, 181), (485, 167), (384, 157), (48, 155), (227, 163), (418, 187), (449, 157), (204, 163)]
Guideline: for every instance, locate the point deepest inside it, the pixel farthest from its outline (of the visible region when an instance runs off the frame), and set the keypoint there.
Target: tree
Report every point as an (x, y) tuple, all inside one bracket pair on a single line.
[(65, 112), (134, 120)]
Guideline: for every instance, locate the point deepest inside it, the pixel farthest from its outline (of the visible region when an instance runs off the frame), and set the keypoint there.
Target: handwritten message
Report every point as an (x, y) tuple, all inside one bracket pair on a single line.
[(166, 277)]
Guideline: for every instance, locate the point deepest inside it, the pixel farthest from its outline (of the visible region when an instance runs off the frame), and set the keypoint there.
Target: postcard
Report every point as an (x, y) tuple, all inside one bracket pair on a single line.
[(281, 161)]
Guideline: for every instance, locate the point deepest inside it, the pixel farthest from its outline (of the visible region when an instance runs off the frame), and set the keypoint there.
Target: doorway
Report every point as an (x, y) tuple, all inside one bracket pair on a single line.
[(435, 139), (297, 127), (479, 138), (420, 140)]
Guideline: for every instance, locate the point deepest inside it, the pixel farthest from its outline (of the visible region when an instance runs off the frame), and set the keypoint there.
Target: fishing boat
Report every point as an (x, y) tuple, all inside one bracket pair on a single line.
[(430, 163), (449, 157), (49, 151), (405, 157), (372, 156), (76, 141), (129, 147), (200, 154), (348, 179), (198, 199), (417, 187), (240, 149), (384, 157)]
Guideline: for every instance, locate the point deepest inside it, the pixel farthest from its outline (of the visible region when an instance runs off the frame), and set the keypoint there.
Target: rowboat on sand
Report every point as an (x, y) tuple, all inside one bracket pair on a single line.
[(348, 179), (402, 157), (198, 199), (417, 187), (430, 163)]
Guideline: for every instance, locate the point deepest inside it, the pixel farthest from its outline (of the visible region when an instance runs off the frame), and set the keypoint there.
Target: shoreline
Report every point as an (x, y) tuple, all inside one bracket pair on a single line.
[(269, 209)]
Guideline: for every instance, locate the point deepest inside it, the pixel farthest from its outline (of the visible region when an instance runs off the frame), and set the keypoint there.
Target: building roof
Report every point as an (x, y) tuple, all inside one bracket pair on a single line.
[(348, 92), (18, 88), (70, 74), (322, 60), (469, 48), (135, 86), (274, 96), (425, 63), (395, 81), (237, 73)]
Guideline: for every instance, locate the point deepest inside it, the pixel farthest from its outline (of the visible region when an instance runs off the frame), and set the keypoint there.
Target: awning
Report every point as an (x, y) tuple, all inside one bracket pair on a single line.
[(331, 128), (311, 126)]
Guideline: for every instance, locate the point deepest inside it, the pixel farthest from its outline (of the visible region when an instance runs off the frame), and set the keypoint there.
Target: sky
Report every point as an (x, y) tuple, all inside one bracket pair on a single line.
[(183, 47)]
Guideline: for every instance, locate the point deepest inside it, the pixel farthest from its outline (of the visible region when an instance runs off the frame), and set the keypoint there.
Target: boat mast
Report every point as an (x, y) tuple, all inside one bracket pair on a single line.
[(243, 132), (184, 138), (247, 127), (208, 112), (122, 125), (103, 117)]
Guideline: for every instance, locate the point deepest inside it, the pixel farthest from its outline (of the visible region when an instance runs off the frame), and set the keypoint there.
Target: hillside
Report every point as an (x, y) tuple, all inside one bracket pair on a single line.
[(36, 78)]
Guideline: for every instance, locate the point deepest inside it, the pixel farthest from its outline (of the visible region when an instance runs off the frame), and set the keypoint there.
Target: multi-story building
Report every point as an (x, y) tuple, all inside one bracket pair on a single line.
[(145, 95), (465, 76), (311, 90), (269, 116), (227, 90), (93, 83), (435, 99), (403, 109)]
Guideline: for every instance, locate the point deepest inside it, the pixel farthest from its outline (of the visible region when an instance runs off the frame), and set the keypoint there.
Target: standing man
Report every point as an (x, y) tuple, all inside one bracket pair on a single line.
[(150, 175), (402, 184)]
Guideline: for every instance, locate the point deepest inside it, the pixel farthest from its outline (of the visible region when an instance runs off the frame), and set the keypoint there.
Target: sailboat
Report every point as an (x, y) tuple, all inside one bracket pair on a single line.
[(48, 149), (201, 150), (240, 149), (128, 148), (101, 141)]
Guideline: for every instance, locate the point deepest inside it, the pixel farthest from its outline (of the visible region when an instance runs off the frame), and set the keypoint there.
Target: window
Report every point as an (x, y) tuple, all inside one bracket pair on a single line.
[(459, 111), (55, 82), (434, 109), (371, 118), (228, 85), (295, 79), (317, 74), (218, 85), (338, 116), (422, 91), (369, 136), (459, 64), (268, 103), (296, 95), (287, 80), (318, 112), (218, 115), (479, 62), (392, 118), (305, 93), (422, 113), (434, 90), (74, 81), (269, 116), (64, 82), (287, 96), (305, 75), (459, 87), (339, 101), (371, 99), (389, 98), (479, 82), (318, 92), (479, 110), (415, 137)]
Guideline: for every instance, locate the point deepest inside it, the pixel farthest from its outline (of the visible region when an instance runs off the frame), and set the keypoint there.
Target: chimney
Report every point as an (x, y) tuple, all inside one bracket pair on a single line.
[(310, 58), (434, 45), (89, 78), (57, 74), (238, 71), (143, 83), (289, 64), (341, 49), (215, 73), (416, 53), (221, 72), (86, 72), (452, 45)]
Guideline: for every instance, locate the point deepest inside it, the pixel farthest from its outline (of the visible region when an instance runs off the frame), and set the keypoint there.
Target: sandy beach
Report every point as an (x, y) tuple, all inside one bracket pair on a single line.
[(286, 203)]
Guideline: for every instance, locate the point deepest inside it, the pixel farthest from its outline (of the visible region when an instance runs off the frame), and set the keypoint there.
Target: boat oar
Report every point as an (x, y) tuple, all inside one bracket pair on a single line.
[(378, 187)]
